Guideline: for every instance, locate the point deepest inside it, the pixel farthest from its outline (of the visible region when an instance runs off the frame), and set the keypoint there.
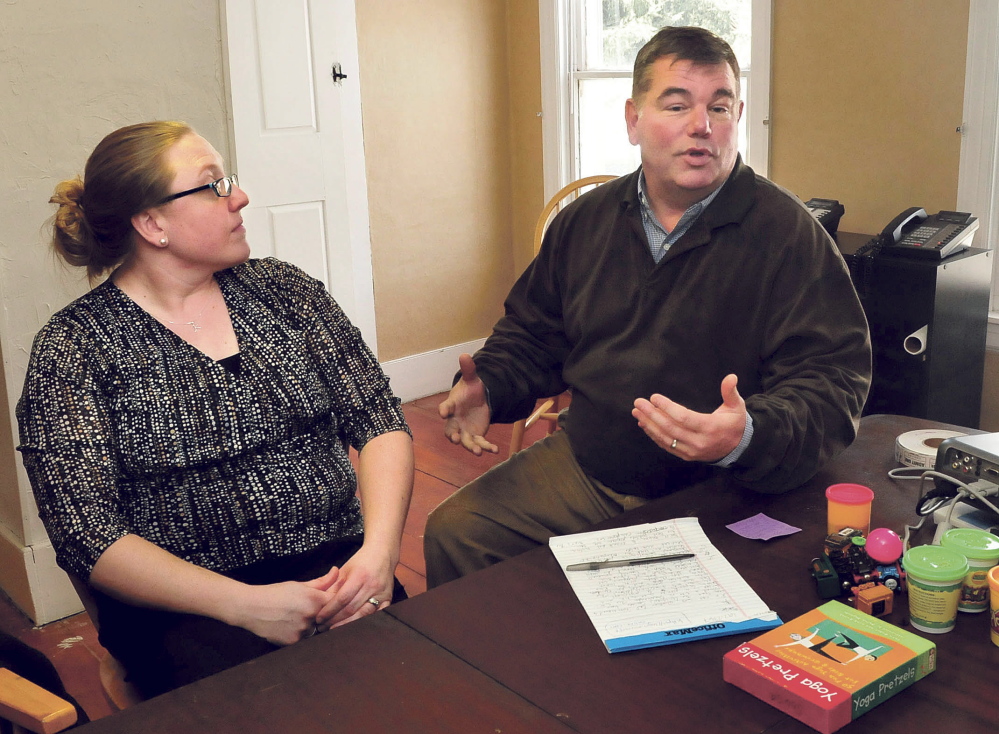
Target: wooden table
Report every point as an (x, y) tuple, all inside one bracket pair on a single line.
[(509, 649), (520, 623), (373, 676)]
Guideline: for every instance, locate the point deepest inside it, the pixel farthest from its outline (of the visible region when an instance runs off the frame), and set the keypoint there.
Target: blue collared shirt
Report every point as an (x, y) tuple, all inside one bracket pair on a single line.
[(659, 243), (659, 239)]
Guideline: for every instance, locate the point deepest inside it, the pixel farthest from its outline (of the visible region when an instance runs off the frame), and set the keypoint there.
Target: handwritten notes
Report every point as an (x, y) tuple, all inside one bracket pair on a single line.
[(659, 603)]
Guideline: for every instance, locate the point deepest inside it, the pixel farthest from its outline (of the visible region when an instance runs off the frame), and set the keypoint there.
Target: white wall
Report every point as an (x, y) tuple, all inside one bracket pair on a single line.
[(73, 72)]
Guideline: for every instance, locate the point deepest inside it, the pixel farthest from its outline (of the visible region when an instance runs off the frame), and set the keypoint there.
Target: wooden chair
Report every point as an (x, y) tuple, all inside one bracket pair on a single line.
[(549, 409), (29, 707), (119, 693)]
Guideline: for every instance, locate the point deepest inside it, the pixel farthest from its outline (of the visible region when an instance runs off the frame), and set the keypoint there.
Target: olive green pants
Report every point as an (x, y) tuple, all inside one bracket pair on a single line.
[(537, 493)]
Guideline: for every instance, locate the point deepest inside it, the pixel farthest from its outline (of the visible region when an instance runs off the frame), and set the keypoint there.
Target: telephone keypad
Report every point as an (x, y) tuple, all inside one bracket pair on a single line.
[(918, 236)]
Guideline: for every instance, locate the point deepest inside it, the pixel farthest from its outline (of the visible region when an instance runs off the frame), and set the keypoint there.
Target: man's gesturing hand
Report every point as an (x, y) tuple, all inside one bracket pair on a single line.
[(466, 412), (692, 436)]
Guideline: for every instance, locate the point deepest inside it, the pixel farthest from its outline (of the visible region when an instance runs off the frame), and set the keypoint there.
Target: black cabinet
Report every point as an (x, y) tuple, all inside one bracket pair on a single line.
[(928, 323)]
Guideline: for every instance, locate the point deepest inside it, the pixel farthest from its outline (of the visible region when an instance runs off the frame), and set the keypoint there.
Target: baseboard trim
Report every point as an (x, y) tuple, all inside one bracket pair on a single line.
[(428, 373), (37, 586)]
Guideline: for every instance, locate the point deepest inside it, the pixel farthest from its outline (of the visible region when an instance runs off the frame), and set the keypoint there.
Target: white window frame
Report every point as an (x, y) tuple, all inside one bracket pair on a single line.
[(558, 130), (978, 179)]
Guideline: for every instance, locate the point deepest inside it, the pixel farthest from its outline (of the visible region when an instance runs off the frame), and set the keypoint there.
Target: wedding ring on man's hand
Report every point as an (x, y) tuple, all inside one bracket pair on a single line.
[(673, 445), (374, 601)]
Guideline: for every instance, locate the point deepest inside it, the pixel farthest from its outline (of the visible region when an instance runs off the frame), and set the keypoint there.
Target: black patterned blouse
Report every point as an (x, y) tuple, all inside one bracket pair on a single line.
[(126, 428)]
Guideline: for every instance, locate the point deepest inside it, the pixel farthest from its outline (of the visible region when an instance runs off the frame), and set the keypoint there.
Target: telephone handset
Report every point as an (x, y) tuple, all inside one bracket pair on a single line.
[(913, 233), (893, 230)]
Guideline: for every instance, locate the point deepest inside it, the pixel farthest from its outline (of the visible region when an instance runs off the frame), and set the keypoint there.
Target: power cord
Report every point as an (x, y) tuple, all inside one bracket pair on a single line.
[(861, 265), (907, 472), (933, 500)]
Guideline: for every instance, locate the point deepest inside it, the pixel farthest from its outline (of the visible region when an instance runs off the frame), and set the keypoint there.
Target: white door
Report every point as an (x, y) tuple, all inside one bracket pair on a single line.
[(299, 147)]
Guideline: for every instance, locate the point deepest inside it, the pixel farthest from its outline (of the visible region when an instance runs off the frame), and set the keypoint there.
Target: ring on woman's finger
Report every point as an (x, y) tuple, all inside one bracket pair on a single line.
[(673, 445), (374, 601)]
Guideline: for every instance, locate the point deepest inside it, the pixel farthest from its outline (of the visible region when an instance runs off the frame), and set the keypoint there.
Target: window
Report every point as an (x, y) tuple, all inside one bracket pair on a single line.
[(588, 50), (978, 180)]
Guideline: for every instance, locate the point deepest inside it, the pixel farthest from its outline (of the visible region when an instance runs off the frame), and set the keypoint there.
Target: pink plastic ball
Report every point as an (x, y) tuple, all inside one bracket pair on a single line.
[(884, 546)]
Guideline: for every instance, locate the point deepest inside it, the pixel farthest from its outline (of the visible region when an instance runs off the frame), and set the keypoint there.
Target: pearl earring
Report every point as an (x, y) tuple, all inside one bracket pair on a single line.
[(163, 241)]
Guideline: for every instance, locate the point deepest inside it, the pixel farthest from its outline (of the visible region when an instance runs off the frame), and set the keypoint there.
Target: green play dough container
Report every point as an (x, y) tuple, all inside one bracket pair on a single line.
[(934, 577), (981, 548)]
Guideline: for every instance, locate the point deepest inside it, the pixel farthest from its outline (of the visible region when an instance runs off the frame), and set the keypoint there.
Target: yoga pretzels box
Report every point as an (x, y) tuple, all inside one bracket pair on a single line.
[(830, 665)]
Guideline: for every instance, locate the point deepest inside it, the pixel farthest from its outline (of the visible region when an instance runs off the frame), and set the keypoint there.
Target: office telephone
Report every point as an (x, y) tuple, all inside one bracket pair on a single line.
[(828, 213), (914, 234)]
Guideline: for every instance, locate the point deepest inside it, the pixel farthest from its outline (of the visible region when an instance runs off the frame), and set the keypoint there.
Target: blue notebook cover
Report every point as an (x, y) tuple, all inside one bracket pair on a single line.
[(672, 637)]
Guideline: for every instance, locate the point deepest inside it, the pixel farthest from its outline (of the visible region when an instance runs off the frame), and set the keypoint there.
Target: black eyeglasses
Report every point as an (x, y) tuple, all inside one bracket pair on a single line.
[(222, 187)]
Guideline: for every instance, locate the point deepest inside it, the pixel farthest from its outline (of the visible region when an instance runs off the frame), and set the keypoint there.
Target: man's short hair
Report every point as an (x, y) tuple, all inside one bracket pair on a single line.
[(686, 43)]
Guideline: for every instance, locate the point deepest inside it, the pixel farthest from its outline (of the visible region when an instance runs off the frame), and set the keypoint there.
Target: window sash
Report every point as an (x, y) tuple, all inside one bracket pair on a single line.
[(978, 177)]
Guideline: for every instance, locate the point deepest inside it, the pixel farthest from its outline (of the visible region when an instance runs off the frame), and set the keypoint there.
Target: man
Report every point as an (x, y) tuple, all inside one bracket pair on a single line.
[(661, 299)]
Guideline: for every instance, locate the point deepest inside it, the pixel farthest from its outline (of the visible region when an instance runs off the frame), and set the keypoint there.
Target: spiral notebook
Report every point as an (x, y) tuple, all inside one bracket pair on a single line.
[(663, 603)]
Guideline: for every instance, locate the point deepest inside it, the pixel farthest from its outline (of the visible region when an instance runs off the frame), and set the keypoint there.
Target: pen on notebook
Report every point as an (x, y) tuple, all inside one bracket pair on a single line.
[(597, 565)]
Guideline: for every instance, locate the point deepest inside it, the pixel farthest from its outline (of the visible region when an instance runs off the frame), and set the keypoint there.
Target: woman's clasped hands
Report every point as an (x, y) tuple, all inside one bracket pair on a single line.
[(367, 578), (287, 612)]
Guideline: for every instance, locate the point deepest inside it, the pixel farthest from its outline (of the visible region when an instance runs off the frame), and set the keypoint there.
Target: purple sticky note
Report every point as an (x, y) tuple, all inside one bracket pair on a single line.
[(761, 527)]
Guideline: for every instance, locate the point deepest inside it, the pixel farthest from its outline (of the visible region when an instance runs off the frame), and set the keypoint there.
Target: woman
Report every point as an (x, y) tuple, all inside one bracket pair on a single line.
[(185, 424)]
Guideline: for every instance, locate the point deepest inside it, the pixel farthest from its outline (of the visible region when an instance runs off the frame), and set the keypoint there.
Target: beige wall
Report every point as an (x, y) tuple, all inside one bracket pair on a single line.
[(866, 101), (450, 92), (863, 112), (526, 155), (74, 72)]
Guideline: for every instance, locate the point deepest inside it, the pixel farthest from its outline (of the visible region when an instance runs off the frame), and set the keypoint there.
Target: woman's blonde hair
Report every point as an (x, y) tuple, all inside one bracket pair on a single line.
[(124, 175)]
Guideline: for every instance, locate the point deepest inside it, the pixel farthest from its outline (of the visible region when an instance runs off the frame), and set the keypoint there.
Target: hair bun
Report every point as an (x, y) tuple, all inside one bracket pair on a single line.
[(72, 236)]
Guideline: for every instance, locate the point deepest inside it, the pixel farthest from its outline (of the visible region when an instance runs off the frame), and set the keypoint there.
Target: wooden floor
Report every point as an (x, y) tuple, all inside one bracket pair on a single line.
[(441, 468)]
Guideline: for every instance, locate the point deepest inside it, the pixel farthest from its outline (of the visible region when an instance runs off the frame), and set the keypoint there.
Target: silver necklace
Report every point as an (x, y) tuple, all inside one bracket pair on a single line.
[(193, 324)]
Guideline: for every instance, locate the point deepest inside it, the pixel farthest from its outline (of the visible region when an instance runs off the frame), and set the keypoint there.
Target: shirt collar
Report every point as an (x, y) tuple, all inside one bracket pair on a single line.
[(694, 209)]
